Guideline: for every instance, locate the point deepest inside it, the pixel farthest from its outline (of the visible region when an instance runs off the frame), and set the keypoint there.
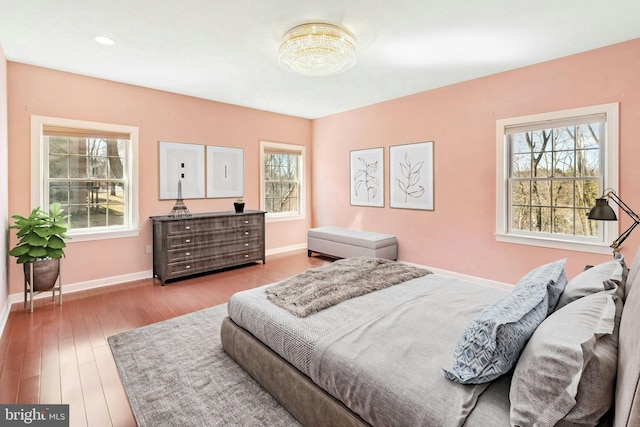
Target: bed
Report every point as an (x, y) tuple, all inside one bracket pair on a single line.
[(394, 356)]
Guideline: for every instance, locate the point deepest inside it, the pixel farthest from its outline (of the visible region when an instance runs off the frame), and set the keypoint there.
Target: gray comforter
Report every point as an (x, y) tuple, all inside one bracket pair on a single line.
[(383, 353)]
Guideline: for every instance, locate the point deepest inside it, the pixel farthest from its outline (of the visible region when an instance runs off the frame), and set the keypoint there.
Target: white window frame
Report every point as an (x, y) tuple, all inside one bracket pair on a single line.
[(39, 172), (285, 216), (607, 230)]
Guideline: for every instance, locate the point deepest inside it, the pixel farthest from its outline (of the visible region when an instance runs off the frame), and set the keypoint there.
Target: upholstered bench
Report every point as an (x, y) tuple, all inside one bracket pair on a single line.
[(344, 243)]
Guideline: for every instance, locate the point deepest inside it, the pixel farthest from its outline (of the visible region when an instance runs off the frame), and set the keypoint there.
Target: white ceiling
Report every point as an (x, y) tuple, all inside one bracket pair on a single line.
[(227, 50)]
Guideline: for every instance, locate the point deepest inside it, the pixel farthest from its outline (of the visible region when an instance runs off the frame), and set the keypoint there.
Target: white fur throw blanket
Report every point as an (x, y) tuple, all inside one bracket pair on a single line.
[(322, 287)]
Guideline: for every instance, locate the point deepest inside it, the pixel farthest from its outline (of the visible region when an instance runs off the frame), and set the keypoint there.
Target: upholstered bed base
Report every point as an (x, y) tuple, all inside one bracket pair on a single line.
[(312, 406), (309, 404)]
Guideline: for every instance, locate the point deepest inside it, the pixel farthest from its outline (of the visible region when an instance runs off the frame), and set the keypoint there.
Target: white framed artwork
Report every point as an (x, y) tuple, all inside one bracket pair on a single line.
[(184, 163), (367, 177), (411, 176), (225, 172)]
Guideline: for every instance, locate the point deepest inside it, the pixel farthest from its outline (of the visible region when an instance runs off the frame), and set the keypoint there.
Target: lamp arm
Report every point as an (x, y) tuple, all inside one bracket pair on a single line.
[(613, 196), (618, 242), (610, 194)]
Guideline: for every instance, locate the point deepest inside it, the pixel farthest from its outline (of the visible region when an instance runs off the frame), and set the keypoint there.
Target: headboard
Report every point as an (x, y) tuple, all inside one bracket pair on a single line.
[(627, 401)]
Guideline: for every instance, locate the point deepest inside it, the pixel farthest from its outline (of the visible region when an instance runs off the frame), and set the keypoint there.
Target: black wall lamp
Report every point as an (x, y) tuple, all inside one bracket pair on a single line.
[(603, 212)]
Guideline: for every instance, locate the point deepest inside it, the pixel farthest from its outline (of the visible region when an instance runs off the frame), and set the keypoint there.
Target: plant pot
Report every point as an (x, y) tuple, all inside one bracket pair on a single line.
[(45, 273), (239, 207)]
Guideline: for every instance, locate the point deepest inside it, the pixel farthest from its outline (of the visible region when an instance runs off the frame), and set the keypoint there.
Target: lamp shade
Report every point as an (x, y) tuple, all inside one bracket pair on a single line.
[(602, 211)]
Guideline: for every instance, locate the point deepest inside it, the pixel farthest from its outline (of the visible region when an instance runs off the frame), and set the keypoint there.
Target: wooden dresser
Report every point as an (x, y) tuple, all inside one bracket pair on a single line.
[(206, 242)]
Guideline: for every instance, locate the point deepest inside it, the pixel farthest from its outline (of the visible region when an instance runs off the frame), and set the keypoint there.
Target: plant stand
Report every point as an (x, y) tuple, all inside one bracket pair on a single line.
[(30, 290)]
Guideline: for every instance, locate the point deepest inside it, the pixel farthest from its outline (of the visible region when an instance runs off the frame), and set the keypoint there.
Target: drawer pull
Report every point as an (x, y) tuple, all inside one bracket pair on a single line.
[(246, 233), (187, 254), (246, 244), (246, 221), (246, 256), (187, 240), (187, 267), (188, 227)]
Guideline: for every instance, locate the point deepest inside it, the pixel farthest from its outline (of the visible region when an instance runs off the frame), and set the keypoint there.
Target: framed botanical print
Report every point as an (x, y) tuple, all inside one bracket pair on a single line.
[(411, 176), (367, 177)]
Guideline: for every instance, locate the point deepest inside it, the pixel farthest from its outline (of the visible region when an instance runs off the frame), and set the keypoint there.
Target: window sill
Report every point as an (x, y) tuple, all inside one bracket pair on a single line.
[(102, 235), (596, 248), (284, 217)]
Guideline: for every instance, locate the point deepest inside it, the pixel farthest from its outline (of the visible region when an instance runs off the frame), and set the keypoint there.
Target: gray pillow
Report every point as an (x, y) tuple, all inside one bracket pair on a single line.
[(566, 373), (555, 288), (592, 280), (632, 274), (494, 339)]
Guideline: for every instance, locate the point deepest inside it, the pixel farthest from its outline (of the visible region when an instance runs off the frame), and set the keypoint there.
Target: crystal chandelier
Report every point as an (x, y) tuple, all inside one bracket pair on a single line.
[(317, 49)]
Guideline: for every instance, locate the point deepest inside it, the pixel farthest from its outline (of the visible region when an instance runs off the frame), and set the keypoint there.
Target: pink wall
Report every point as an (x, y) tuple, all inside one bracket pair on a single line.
[(159, 116), (4, 185), (460, 119), (459, 234)]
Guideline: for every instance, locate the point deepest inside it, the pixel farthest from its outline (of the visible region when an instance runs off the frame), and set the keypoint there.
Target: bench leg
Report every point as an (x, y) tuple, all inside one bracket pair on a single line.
[(309, 253)]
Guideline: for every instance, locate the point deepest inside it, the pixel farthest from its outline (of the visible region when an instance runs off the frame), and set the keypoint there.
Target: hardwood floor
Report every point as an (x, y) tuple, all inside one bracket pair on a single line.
[(60, 354)]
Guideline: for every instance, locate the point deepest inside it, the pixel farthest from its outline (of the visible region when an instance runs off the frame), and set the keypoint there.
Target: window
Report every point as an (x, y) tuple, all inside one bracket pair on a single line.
[(551, 168), (282, 171), (91, 170)]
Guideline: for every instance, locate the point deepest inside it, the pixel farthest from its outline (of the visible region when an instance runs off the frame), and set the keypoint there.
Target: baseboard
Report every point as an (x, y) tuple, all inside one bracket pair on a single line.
[(116, 280), (474, 279), (4, 316), (284, 249), (467, 278), (107, 281), (83, 286)]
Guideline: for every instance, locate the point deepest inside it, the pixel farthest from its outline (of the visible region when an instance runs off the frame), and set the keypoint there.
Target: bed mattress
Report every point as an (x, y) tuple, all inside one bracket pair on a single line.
[(383, 353)]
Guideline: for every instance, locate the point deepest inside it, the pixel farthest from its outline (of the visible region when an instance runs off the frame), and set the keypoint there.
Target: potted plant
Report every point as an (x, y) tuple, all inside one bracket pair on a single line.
[(239, 206), (41, 245)]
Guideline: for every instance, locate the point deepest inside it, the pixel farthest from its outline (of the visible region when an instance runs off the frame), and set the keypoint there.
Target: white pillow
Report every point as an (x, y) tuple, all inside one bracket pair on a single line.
[(566, 372), (593, 280)]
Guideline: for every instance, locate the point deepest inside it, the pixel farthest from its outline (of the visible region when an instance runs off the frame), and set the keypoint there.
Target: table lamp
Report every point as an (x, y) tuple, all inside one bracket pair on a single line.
[(603, 212)]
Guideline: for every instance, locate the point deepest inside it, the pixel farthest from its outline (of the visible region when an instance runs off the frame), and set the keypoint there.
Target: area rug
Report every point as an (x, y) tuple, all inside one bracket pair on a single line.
[(175, 373)]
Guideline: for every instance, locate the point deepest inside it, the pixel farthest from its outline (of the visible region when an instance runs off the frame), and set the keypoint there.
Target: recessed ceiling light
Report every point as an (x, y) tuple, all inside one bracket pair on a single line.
[(104, 40)]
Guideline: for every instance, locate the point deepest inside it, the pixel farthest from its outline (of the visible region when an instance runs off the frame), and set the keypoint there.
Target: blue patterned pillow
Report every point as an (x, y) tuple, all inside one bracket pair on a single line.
[(491, 344)]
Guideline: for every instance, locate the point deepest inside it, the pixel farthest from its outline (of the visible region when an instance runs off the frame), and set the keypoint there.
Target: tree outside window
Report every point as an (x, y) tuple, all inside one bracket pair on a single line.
[(281, 182), (554, 179), (86, 176), (551, 167), (282, 190), (89, 168)]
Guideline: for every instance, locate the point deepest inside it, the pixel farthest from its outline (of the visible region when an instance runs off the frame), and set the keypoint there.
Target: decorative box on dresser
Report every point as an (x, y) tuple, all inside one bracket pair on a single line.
[(206, 242)]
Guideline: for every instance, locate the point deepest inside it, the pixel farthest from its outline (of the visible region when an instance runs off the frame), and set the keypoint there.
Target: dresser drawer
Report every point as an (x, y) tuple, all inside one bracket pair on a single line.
[(182, 268), (201, 225), (190, 240), (175, 255), (245, 220)]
